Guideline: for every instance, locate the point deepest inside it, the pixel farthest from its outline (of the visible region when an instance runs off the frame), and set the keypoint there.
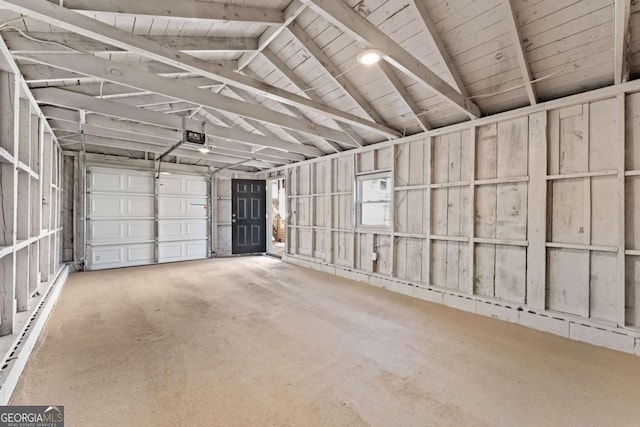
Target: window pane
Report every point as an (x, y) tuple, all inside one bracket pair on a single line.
[(376, 214), (376, 189)]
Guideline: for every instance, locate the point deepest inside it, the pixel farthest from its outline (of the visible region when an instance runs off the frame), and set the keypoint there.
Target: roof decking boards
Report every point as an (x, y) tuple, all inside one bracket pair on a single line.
[(286, 72)]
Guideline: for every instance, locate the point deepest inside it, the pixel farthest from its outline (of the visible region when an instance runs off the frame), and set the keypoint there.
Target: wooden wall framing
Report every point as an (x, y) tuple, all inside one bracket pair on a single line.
[(30, 199), (536, 212)]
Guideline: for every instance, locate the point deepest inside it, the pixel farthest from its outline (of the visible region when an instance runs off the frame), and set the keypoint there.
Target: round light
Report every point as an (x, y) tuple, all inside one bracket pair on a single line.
[(370, 56), (204, 150)]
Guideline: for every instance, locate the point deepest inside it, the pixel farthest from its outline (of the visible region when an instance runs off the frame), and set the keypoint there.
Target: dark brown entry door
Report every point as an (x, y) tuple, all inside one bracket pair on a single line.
[(248, 216)]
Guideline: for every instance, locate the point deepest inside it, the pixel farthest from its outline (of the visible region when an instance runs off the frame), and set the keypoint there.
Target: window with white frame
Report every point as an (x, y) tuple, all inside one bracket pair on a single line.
[(374, 200)]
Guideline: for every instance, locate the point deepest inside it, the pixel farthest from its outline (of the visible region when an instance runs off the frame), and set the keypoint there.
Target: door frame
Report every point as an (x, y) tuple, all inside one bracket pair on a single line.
[(268, 229)]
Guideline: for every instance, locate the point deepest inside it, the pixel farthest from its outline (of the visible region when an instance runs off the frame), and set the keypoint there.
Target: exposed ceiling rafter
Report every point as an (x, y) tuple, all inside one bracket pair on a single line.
[(181, 9), (126, 75), (516, 37), (334, 72), (621, 40), (100, 141), (316, 140), (63, 98), (360, 28), (291, 13), (441, 49), (72, 21), (418, 114), (97, 120), (301, 85), (54, 42), (144, 139), (246, 97)]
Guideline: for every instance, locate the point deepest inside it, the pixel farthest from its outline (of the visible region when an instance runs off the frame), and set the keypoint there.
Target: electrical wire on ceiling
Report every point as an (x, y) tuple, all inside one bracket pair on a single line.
[(39, 40)]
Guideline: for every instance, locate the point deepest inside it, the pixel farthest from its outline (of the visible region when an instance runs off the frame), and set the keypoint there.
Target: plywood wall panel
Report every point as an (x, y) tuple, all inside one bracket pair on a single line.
[(632, 146), (567, 219), (632, 291), (632, 212), (439, 264), (383, 159), (319, 244), (603, 280), (510, 274), (342, 248), (512, 157), (485, 259), (304, 241), (567, 290), (536, 203), (487, 152), (383, 246), (604, 200)]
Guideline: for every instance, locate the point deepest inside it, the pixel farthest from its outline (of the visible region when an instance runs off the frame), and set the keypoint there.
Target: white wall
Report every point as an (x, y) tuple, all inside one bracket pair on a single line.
[(532, 216)]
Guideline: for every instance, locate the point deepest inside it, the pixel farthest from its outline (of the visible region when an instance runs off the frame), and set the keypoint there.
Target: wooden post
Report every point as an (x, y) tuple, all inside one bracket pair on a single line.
[(537, 211), (9, 102), (427, 208), (23, 226), (621, 270), (328, 252), (587, 204), (472, 213)]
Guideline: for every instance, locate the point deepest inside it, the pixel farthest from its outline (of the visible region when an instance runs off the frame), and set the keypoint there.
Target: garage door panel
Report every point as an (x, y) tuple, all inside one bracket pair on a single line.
[(179, 251), (122, 228), (182, 207), (121, 181), (110, 231), (182, 229), (182, 185), (115, 205), (121, 256)]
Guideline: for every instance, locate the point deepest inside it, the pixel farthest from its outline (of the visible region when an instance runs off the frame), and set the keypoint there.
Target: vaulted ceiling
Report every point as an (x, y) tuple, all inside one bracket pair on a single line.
[(277, 81)]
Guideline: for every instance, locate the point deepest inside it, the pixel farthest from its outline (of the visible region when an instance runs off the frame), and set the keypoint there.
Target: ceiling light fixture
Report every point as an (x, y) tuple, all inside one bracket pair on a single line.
[(370, 56)]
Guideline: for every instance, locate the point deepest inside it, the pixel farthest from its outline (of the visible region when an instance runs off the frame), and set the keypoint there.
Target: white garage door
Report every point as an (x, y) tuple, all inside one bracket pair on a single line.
[(121, 225), (121, 218), (182, 218)]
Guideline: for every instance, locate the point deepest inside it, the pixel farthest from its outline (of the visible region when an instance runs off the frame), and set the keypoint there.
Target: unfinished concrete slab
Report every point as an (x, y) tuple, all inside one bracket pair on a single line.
[(255, 341)]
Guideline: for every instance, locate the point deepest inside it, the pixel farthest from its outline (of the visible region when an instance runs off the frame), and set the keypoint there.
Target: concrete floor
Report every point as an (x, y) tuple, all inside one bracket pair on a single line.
[(254, 341)]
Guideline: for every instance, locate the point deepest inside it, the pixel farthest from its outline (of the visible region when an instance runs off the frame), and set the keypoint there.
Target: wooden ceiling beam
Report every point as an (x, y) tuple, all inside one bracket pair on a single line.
[(130, 76), (182, 9), (418, 114), (347, 19), (55, 42), (100, 141), (622, 11), (58, 125), (72, 21), (302, 86), (97, 120), (441, 49), (63, 98), (315, 140), (516, 37), (334, 72), (291, 13)]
